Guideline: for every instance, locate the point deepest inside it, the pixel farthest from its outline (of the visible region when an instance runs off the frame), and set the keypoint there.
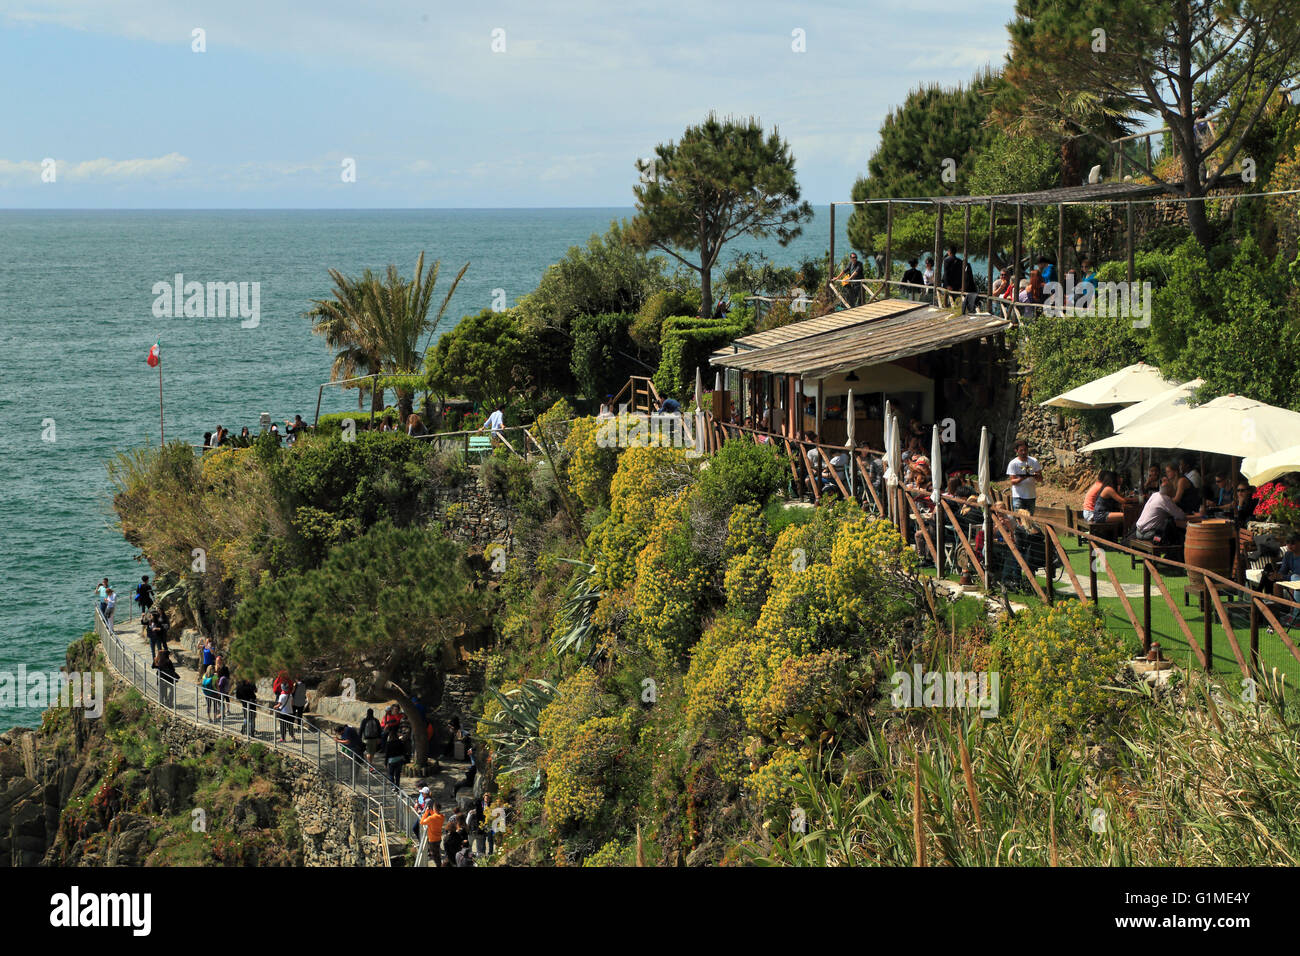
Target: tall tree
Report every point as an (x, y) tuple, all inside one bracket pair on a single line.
[(725, 178), (1162, 58), (936, 129), (384, 604), (486, 358), (376, 324)]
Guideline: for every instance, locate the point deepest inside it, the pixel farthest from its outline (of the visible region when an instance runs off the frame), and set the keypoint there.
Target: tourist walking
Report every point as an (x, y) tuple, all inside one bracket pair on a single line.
[(395, 753), (372, 734), (167, 678), (144, 596), (433, 821), (110, 603), (284, 715), (350, 739), (156, 631), (299, 696), (246, 694), (209, 684), (223, 688), (101, 595), (496, 421)]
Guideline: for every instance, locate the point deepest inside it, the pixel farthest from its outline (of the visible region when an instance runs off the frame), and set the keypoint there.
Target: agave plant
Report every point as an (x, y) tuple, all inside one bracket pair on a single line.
[(576, 628), (514, 729)]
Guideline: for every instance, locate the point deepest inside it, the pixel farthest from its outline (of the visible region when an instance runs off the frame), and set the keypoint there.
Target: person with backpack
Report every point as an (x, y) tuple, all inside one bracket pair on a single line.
[(455, 841), (246, 694), (209, 684), (299, 696), (433, 821), (372, 734), (284, 714), (144, 596)]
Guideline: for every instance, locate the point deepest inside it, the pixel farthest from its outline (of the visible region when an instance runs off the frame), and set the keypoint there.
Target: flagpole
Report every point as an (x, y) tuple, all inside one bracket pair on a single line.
[(162, 437)]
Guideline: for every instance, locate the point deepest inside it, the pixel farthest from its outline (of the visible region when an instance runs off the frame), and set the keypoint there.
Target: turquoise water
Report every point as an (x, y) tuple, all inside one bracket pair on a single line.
[(76, 305)]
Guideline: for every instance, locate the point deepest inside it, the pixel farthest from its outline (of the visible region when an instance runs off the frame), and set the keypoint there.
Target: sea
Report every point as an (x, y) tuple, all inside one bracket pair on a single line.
[(77, 307)]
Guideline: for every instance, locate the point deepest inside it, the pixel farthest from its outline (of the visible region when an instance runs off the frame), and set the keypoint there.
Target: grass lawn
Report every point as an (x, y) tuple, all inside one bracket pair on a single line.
[(1164, 627)]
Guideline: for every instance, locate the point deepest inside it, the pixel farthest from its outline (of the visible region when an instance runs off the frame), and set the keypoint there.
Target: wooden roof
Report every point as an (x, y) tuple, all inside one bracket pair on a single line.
[(830, 322), (904, 332)]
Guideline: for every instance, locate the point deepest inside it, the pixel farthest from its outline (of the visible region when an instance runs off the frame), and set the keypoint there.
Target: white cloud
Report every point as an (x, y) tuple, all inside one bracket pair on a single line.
[(95, 170)]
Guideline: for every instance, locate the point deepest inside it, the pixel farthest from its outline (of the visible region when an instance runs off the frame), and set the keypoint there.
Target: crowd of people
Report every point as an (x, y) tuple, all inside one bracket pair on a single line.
[(469, 834)]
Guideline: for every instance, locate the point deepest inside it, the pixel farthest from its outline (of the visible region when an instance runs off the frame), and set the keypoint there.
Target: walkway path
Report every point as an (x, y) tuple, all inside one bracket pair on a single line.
[(127, 649)]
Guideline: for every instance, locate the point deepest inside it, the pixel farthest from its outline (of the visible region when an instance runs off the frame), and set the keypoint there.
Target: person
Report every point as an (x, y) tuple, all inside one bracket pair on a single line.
[(144, 596), (208, 655), (414, 426), (1024, 473), (1151, 483), (371, 735), (723, 307), (454, 841), (220, 436), (852, 281), (395, 753), (351, 740), (167, 677), (839, 463), (1102, 502), (470, 772), (1037, 290), (156, 631), (246, 694), (110, 603), (101, 595), (928, 275), (1243, 508), (275, 432), (245, 437), (815, 458), (422, 804), (912, 279), (496, 421), (223, 688), (392, 719), (1045, 268), (474, 820), (1288, 570), (952, 270), (299, 696), (1002, 284), (1222, 490), (433, 821), (1185, 494), (209, 684), (296, 428), (971, 302), (284, 715), (1190, 472), (207, 440), (1161, 519), (491, 823)]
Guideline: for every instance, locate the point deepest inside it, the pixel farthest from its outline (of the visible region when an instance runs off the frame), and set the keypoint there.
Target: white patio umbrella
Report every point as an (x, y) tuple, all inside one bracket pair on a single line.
[(985, 486), (1128, 386), (1269, 467), (1231, 425), (895, 464), (936, 466), (1167, 402), (849, 425)]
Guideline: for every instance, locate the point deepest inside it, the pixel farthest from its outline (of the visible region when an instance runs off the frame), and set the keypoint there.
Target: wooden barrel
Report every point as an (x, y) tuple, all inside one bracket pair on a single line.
[(1208, 546)]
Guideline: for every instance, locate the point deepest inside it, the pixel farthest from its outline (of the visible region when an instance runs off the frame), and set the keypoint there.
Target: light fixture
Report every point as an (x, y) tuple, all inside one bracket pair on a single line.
[(851, 377)]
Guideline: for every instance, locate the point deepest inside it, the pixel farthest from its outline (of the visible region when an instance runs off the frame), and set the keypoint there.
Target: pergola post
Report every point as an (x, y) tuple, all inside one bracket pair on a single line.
[(992, 224), (965, 258), (1129, 242), (1060, 242), (938, 249), (889, 242), (1020, 234), (830, 269)]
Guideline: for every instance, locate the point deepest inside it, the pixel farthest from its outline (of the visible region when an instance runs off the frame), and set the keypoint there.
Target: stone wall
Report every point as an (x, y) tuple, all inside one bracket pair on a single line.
[(471, 514)]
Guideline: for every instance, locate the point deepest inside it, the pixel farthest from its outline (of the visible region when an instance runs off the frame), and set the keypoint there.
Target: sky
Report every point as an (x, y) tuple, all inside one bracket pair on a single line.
[(340, 104)]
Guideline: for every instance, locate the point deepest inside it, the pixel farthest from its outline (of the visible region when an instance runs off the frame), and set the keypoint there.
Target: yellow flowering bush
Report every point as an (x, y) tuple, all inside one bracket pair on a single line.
[(553, 424), (803, 696), (672, 585), (746, 530), (589, 771), (612, 853), (1060, 661), (771, 783), (577, 700), (643, 475), (590, 466), (746, 583)]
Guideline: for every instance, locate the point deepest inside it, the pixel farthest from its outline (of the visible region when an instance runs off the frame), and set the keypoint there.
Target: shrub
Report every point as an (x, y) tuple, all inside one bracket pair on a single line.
[(741, 472)]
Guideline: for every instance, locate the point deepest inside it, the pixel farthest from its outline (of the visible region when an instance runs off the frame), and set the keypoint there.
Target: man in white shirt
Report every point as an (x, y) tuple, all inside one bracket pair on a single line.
[(1023, 471), (496, 421), (1160, 517)]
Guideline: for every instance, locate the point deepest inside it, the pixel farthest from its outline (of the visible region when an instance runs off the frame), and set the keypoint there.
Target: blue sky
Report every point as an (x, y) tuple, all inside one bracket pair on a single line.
[(433, 117)]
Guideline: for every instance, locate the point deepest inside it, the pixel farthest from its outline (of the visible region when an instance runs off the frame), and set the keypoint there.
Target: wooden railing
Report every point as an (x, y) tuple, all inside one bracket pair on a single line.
[(638, 394)]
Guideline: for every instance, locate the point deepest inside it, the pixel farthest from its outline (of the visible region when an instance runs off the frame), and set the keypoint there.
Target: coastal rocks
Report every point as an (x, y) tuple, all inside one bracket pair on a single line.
[(170, 787)]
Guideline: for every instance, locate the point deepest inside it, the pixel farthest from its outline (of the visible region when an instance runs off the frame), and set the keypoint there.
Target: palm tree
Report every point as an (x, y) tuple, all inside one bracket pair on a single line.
[(375, 324)]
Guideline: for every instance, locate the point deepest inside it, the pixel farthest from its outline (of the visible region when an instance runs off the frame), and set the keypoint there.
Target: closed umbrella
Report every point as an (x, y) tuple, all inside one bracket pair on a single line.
[(1230, 425), (892, 476), (699, 412), (985, 486), (849, 424), (936, 466), (1128, 386), (1270, 467)]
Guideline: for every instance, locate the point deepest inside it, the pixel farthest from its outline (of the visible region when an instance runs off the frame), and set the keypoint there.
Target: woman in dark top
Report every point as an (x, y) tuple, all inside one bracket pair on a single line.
[(395, 752), (167, 676), (1243, 508)]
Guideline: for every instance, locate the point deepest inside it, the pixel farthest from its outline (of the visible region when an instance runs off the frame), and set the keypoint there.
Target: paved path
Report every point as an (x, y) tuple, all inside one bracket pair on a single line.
[(128, 654)]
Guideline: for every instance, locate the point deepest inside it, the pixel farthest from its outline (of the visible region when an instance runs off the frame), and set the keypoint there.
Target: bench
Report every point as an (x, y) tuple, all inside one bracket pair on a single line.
[(1108, 530), (480, 444), (1173, 551)]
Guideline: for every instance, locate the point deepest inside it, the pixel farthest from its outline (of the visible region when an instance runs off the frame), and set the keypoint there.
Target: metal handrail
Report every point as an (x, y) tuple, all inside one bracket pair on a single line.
[(241, 721)]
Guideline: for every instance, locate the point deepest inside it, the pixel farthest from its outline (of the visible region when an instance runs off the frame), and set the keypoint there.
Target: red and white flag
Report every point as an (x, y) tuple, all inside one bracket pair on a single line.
[(154, 358)]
